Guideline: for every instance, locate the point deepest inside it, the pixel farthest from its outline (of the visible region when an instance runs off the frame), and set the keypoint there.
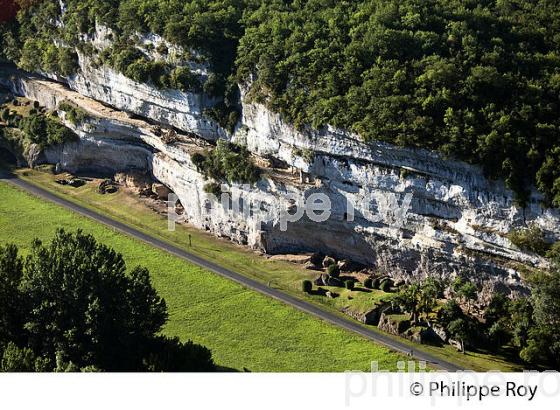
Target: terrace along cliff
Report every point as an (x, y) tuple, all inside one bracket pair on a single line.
[(457, 221)]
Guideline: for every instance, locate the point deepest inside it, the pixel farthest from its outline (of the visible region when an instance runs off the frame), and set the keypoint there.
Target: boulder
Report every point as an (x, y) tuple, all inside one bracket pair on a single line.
[(389, 324), (161, 191), (370, 317), (440, 332), (331, 295), (326, 280), (73, 182), (76, 182), (107, 187), (321, 280), (311, 266), (349, 266), (136, 180)]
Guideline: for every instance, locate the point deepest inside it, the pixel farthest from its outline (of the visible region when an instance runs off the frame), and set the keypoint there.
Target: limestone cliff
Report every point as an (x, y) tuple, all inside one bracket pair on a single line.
[(457, 221)]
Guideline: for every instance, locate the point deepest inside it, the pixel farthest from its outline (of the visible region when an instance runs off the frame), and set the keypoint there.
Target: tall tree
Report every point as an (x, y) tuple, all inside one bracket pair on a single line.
[(81, 309)]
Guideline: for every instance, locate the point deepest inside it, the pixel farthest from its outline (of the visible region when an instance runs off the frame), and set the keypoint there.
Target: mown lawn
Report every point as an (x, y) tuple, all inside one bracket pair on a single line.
[(243, 328)]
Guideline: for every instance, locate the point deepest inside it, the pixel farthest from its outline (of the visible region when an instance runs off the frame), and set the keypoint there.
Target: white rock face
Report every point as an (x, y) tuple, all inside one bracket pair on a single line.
[(457, 219), (170, 107)]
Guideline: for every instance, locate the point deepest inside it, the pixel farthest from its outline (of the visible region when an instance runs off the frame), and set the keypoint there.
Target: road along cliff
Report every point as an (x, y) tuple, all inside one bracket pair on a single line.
[(409, 213)]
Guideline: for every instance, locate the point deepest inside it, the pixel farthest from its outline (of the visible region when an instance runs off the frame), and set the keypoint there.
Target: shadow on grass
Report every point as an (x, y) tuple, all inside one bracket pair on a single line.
[(365, 290), (225, 369)]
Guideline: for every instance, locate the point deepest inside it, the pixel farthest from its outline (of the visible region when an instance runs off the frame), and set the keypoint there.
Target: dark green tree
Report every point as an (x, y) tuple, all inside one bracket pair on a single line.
[(81, 309)]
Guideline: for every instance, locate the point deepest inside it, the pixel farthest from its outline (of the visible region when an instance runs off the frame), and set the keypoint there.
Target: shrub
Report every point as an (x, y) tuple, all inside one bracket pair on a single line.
[(5, 114), (215, 85), (74, 115), (349, 284), (317, 259), (145, 71), (228, 162), (306, 286), (67, 61), (226, 116), (198, 160), (328, 261), (35, 126), (183, 79), (308, 155), (57, 133), (36, 105), (375, 283), (45, 130), (333, 271), (554, 253), (368, 283), (162, 49), (213, 188), (385, 285), (529, 239), (124, 58)]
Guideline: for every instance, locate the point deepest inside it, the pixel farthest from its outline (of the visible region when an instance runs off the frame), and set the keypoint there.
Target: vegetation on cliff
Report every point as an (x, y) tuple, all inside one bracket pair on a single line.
[(23, 124), (227, 163), (476, 80)]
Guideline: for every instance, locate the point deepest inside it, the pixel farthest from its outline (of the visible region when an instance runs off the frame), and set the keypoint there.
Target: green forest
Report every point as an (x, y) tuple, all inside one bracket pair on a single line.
[(474, 80)]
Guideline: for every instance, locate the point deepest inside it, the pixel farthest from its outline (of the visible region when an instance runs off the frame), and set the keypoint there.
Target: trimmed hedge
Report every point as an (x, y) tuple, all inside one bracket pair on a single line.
[(385, 285), (333, 271), (306, 286)]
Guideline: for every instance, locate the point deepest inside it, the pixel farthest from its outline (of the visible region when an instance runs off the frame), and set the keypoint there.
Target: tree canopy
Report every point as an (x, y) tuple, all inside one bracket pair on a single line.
[(477, 80), (72, 305)]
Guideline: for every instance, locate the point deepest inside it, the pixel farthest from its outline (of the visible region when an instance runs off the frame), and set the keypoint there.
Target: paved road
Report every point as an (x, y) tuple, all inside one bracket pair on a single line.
[(243, 280)]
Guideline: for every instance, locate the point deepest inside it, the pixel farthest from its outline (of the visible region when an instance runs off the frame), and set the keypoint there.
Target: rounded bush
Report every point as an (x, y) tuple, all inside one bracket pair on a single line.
[(333, 271), (317, 259), (368, 283), (375, 283), (306, 286), (349, 284), (328, 261), (385, 286), (5, 114)]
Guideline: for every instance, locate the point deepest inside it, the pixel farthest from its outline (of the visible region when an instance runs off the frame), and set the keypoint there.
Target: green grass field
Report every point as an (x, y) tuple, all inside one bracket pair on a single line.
[(129, 209), (243, 328)]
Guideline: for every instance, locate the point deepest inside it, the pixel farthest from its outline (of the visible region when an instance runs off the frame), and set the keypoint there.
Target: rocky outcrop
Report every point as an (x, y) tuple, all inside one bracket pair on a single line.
[(161, 191), (390, 324), (440, 235), (370, 317)]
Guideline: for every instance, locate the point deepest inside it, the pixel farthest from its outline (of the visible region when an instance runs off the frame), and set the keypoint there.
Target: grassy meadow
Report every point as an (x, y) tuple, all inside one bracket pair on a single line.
[(244, 329), (129, 209)]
